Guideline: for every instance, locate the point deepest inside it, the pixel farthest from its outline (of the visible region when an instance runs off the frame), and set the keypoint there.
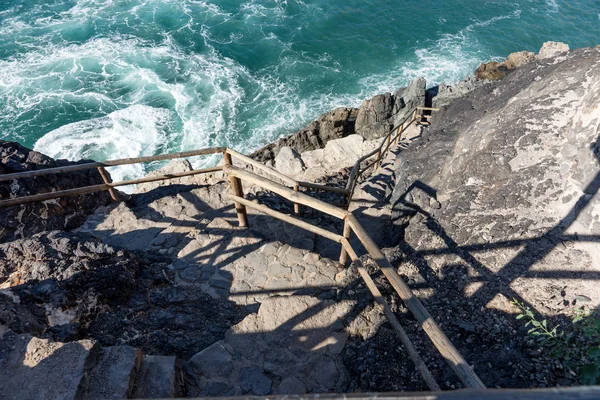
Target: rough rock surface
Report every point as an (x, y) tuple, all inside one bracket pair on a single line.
[(332, 125), (67, 278), (374, 118), (27, 219), (504, 185), (308, 335), (492, 71), (337, 154), (114, 375), (33, 368), (289, 162), (552, 49), (159, 377), (443, 94), (518, 59)]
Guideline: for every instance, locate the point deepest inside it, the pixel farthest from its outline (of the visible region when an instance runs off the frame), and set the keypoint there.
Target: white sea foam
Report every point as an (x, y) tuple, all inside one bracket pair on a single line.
[(448, 59), (132, 132), (156, 95), (552, 6)]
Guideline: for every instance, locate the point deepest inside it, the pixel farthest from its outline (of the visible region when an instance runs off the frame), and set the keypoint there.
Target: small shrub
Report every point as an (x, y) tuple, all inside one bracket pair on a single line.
[(578, 350)]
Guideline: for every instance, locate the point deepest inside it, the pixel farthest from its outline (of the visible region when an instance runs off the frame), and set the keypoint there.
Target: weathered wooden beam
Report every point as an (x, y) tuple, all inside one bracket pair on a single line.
[(106, 178), (288, 218), (412, 352), (99, 188), (258, 165), (111, 163), (316, 186), (285, 192), (236, 188), (346, 234), (456, 361)]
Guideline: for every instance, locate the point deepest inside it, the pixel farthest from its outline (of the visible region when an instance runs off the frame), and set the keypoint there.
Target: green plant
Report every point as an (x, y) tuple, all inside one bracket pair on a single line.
[(578, 350), (588, 323), (539, 329)]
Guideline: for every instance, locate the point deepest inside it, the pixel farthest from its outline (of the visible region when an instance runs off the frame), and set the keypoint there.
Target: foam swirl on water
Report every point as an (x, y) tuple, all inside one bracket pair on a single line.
[(132, 132), (106, 79)]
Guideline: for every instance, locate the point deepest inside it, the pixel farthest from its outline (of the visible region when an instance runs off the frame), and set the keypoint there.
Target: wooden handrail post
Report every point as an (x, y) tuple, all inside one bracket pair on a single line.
[(378, 160), (107, 180), (296, 205), (399, 134), (346, 234), (236, 188)]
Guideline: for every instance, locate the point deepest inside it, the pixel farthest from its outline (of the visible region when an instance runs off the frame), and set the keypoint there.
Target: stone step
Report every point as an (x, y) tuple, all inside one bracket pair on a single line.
[(293, 345), (115, 374), (34, 368), (159, 377)]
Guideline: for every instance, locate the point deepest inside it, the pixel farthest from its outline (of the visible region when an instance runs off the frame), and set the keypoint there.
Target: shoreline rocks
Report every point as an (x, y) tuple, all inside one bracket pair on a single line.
[(65, 213), (374, 119)]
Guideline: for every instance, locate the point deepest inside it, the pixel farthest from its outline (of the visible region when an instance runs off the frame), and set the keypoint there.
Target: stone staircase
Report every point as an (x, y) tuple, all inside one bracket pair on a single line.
[(34, 368), (291, 342), (371, 199)]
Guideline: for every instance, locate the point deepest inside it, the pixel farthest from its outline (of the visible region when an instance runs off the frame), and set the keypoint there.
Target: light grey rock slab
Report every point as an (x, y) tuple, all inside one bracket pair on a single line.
[(552, 49), (289, 162), (511, 162), (34, 368)]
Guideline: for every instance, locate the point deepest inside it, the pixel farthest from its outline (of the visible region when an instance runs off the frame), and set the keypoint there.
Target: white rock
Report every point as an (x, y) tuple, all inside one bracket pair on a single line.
[(552, 49), (289, 162)]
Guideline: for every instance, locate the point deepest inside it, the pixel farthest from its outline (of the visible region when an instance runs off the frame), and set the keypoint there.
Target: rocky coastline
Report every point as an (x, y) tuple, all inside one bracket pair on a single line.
[(496, 201)]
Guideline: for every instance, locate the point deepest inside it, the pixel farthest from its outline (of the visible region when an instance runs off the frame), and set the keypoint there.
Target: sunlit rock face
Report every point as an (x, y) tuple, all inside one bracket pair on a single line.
[(504, 186)]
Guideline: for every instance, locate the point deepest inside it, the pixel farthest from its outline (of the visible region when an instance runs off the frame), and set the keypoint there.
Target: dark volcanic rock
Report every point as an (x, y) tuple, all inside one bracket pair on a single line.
[(374, 116), (373, 119), (332, 125), (377, 116), (493, 71), (27, 219), (65, 277)]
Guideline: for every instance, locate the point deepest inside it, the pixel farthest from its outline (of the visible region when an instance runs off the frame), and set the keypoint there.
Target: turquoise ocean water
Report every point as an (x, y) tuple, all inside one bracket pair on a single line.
[(121, 78)]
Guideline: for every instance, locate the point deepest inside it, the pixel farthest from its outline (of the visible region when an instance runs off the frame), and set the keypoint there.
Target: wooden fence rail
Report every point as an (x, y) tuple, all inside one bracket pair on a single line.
[(392, 138), (238, 175), (462, 369)]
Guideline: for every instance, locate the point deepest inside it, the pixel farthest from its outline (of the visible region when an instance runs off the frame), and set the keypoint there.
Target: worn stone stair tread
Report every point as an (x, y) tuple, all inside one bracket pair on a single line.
[(159, 377), (114, 376), (292, 345), (34, 368)]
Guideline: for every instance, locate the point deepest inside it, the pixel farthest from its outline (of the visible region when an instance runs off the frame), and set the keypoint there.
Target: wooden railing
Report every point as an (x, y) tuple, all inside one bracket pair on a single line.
[(389, 140), (351, 225), (289, 189), (109, 186)]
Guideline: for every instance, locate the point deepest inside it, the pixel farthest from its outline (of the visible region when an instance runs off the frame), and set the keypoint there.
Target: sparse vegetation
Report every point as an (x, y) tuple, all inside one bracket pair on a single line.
[(577, 349)]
